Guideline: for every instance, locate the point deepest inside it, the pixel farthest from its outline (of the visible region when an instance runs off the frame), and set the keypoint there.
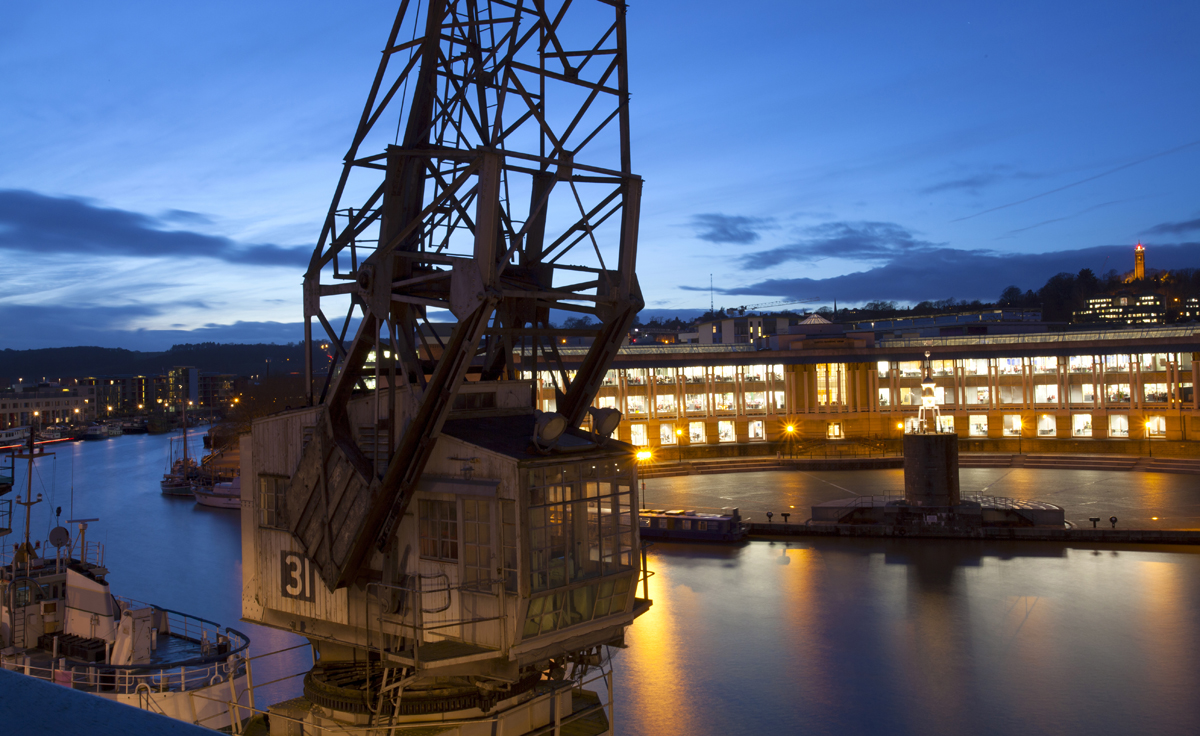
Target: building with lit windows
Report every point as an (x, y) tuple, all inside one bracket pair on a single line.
[(1113, 384), (1128, 307), (45, 404)]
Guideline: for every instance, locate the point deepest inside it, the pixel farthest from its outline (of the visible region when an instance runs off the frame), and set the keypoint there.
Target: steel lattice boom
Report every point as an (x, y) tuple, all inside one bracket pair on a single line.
[(489, 176)]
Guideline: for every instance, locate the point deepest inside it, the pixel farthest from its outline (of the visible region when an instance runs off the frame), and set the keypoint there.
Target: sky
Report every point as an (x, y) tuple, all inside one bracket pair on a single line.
[(165, 167)]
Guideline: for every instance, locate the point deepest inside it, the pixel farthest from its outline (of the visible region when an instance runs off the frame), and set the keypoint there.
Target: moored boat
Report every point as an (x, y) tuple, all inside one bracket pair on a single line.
[(60, 622), (95, 432), (223, 495), (689, 526), (13, 437)]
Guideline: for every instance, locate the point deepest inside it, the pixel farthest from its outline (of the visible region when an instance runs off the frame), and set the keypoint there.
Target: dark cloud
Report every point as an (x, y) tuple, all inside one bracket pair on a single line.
[(863, 240), (185, 217), (963, 274), (971, 184), (40, 326), (1174, 228), (37, 223), (975, 183), (718, 228)]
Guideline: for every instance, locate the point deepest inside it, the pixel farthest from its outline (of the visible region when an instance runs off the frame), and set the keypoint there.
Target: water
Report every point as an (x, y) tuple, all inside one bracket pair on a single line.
[(823, 636), (914, 637)]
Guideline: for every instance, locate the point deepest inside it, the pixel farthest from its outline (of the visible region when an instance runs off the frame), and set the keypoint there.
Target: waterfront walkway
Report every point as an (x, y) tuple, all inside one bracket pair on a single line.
[(1132, 463)]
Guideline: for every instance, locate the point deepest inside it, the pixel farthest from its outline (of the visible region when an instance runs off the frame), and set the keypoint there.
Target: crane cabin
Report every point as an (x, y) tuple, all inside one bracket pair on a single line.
[(514, 566)]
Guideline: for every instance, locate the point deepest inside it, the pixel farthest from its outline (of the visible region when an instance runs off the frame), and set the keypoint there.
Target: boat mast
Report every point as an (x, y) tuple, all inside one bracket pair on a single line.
[(183, 403), (28, 503)]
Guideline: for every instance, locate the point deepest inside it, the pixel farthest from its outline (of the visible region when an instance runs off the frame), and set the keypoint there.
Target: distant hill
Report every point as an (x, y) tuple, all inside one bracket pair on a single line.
[(78, 362)]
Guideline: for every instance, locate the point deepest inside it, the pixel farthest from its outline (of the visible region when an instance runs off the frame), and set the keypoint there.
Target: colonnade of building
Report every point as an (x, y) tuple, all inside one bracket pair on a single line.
[(1119, 396)]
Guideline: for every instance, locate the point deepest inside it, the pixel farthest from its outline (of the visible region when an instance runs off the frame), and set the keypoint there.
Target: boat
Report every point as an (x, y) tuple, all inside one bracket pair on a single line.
[(13, 437), (95, 432), (60, 622), (689, 526), (221, 495), (135, 426), (182, 472), (114, 430)]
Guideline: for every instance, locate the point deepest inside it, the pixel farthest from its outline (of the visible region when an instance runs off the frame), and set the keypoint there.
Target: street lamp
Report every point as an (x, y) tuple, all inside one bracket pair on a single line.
[(678, 445), (1020, 435), (791, 431), (1149, 447)]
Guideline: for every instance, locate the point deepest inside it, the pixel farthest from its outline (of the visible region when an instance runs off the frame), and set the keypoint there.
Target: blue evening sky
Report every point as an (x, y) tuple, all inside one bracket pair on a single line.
[(164, 167)]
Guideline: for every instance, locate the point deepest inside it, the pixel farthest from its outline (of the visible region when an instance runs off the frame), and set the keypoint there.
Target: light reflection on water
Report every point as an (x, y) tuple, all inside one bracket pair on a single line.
[(846, 637), (914, 637), (162, 550)]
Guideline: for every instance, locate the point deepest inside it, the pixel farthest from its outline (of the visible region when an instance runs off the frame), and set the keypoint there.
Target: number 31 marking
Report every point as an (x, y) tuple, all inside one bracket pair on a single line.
[(297, 578)]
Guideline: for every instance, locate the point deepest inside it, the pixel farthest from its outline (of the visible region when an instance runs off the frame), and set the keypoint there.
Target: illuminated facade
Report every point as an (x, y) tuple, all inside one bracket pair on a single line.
[(44, 405), (1131, 308), (1093, 385)]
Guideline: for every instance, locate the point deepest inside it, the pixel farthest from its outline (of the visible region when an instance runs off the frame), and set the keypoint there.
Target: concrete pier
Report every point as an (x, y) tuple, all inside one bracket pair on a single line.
[(931, 470)]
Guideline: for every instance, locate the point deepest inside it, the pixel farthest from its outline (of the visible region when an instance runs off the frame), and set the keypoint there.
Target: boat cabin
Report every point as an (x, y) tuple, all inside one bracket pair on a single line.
[(681, 525)]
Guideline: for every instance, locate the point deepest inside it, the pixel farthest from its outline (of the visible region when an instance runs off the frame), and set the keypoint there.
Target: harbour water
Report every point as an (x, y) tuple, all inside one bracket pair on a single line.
[(819, 636), (162, 550)]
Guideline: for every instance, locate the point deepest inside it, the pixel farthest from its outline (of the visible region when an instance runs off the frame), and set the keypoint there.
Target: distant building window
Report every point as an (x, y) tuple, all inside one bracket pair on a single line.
[(885, 397), (636, 404), (1012, 425), (272, 509), (637, 434), (725, 432), (1081, 425), (1156, 426), (1047, 425), (666, 433), (757, 430), (1118, 425), (439, 529), (696, 433), (1045, 394), (978, 425)]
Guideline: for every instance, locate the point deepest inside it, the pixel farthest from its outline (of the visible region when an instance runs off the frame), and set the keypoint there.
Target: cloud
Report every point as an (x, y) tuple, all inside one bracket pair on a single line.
[(974, 183), (34, 326), (718, 228), (44, 225), (1174, 228), (862, 240), (185, 217), (970, 184), (963, 274)]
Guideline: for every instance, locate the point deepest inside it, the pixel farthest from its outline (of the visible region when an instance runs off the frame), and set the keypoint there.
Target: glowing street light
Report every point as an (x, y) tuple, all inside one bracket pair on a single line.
[(644, 456)]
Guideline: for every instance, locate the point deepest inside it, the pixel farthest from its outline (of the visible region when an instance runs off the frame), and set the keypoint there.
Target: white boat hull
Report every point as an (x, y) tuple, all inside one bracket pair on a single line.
[(217, 500)]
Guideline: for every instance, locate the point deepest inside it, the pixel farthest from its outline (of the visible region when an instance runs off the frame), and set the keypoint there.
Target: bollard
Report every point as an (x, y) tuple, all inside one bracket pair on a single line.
[(1095, 520), (769, 515), (785, 516), (1113, 520)]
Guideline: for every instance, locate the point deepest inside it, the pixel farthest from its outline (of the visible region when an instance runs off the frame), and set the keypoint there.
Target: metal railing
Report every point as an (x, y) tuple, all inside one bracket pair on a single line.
[(1144, 333)]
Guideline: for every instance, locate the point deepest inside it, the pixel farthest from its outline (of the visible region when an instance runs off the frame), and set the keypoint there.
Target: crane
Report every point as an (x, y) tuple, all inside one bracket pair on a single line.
[(742, 309)]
